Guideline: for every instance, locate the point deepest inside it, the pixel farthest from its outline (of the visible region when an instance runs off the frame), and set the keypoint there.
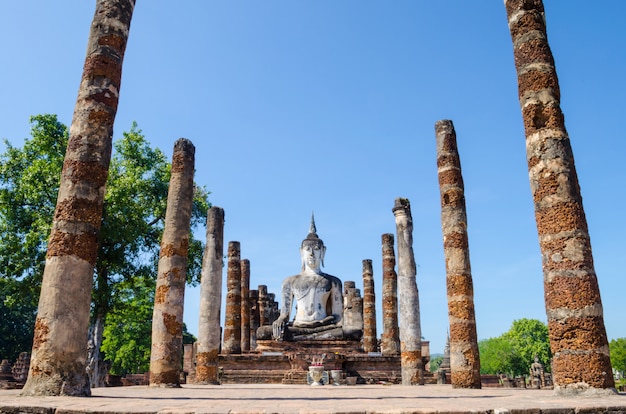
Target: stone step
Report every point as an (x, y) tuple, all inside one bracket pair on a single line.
[(252, 376)]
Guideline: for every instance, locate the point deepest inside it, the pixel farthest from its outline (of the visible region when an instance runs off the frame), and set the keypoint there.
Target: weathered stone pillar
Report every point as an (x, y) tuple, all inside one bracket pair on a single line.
[(273, 310), (390, 339), (245, 305), (575, 316), (254, 316), (464, 357), (208, 344), (167, 318), (370, 341), (410, 331), (59, 349), (232, 324), (352, 311), (264, 306)]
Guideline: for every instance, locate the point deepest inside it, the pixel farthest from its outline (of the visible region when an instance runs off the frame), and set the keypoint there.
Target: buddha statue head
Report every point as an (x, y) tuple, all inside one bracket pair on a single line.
[(312, 250)]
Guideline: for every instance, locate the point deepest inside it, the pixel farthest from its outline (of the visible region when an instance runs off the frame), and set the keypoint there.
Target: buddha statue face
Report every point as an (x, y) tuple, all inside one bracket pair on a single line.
[(312, 254)]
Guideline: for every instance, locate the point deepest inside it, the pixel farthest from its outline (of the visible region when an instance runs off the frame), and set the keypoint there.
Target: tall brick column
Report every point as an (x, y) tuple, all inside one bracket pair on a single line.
[(167, 318), (410, 331), (209, 333), (264, 306), (254, 316), (464, 357), (232, 324), (575, 316), (370, 341), (57, 365), (390, 339), (245, 305)]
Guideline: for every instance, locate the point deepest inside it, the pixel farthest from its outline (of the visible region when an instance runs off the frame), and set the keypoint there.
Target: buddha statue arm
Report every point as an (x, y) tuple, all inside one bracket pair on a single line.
[(278, 327)]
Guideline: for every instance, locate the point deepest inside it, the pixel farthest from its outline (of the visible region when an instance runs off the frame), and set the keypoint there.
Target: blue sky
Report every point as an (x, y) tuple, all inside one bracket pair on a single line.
[(326, 106)]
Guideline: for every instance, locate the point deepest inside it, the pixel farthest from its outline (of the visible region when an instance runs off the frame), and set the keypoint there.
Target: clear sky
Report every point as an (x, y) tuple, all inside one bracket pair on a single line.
[(329, 106)]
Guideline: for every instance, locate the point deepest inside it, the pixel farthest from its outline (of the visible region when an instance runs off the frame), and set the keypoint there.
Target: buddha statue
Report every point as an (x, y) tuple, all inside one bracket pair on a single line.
[(317, 297)]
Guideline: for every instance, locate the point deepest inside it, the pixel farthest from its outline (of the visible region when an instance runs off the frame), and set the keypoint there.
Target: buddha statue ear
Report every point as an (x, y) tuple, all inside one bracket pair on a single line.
[(322, 253)]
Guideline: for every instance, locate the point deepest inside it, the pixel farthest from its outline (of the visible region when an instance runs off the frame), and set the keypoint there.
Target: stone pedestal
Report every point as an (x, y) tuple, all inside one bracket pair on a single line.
[(288, 363)]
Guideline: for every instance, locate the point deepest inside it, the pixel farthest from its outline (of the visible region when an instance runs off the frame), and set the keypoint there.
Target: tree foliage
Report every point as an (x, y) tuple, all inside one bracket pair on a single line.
[(132, 225), (513, 352), (530, 338), (435, 362), (497, 355), (617, 349), (29, 179)]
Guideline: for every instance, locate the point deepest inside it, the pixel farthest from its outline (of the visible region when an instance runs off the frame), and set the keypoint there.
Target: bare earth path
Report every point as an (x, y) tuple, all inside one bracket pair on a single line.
[(263, 398)]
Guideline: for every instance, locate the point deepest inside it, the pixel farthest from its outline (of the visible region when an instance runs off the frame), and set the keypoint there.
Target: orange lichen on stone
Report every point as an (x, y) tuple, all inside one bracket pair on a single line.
[(537, 80), (109, 100), (566, 369), (463, 332), (464, 379), (528, 22), (115, 41), (533, 161), (79, 210), (173, 326), (103, 66), (533, 51), (91, 172), (180, 249), (179, 161), (455, 240), (453, 197), (538, 116), (565, 216), (546, 185), (171, 377), (82, 245), (448, 160), (41, 333), (459, 285), (450, 177), (161, 293), (512, 6), (411, 358), (578, 334)]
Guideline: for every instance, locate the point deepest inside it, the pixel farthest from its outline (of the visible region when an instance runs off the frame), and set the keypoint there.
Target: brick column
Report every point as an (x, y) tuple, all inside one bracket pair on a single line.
[(245, 305), (464, 357), (575, 316), (390, 339), (264, 306), (167, 318), (370, 341), (209, 331), (232, 324), (411, 331), (58, 362), (254, 316)]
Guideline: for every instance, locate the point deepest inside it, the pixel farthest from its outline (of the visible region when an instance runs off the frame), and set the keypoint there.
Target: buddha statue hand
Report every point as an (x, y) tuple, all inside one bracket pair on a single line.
[(278, 328)]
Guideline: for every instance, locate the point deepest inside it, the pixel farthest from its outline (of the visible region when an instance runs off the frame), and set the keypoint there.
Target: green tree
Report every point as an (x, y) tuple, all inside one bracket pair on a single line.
[(132, 222), (530, 338), (435, 363), (513, 352), (617, 349), (127, 331), (497, 355), (29, 180)]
